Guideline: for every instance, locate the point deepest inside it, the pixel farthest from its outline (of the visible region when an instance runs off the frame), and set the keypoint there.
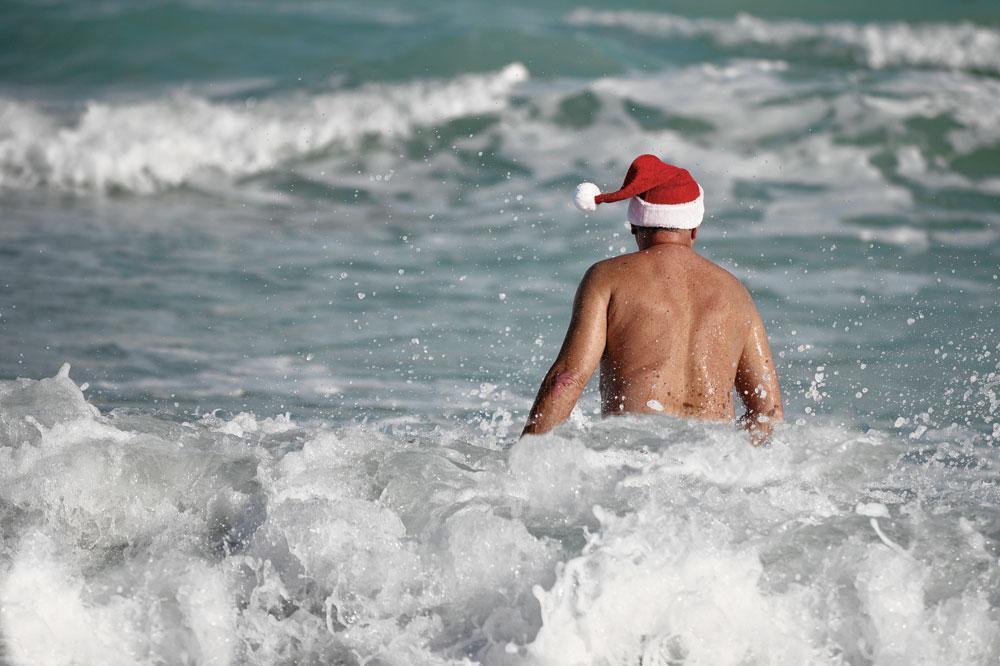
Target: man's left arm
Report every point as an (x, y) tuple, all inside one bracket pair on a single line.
[(757, 384), (581, 352)]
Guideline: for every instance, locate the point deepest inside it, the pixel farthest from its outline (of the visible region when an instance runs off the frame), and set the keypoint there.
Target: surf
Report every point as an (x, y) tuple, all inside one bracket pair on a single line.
[(652, 539)]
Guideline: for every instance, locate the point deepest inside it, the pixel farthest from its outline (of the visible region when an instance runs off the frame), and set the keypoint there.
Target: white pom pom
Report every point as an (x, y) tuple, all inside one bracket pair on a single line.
[(584, 197)]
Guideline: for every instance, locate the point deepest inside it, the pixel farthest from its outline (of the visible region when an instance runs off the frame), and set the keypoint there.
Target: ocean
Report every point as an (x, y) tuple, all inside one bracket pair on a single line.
[(278, 282)]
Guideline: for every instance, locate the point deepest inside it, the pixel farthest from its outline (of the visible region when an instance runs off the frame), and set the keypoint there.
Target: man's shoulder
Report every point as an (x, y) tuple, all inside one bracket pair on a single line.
[(733, 288), (606, 265), (606, 268), (619, 264), (606, 273), (725, 278), (719, 280)]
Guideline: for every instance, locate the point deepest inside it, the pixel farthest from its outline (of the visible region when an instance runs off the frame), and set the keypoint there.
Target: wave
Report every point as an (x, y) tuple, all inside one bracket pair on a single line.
[(133, 539), (150, 146), (961, 46), (815, 151)]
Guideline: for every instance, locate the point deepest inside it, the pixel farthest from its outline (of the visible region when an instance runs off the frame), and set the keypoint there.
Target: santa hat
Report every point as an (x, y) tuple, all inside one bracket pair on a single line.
[(661, 195)]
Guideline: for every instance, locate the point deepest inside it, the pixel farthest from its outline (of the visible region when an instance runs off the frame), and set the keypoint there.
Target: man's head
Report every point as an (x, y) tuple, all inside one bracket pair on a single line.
[(660, 195)]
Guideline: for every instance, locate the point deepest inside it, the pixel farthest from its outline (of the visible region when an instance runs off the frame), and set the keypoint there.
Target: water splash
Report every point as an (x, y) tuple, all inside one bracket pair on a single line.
[(131, 539)]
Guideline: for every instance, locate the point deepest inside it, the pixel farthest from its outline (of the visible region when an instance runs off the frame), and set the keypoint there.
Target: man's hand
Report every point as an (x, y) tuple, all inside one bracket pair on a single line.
[(759, 426), (757, 385)]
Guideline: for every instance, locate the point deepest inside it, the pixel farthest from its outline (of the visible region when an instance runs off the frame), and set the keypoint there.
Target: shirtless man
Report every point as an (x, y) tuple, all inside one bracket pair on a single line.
[(672, 331)]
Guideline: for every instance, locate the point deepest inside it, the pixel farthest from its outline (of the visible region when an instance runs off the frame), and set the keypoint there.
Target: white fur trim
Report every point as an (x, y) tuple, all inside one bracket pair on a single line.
[(686, 215), (584, 197)]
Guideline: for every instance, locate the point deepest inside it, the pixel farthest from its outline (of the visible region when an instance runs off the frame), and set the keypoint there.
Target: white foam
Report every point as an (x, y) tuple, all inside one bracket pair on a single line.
[(47, 621), (872, 510), (805, 163), (657, 589), (901, 235), (946, 45), (135, 540), (777, 147), (148, 146)]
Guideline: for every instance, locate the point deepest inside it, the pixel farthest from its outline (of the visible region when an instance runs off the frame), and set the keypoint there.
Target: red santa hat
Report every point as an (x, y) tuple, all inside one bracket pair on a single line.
[(660, 195)]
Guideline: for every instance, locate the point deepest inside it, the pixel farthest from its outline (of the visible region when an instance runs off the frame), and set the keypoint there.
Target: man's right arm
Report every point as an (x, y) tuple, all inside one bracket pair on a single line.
[(580, 354), (757, 383)]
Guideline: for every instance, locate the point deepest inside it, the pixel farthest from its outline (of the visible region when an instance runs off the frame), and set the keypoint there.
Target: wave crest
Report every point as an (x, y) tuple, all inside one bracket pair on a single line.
[(151, 146), (962, 46)]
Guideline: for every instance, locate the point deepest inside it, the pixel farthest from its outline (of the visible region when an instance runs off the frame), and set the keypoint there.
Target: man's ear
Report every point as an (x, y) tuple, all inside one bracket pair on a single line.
[(694, 233)]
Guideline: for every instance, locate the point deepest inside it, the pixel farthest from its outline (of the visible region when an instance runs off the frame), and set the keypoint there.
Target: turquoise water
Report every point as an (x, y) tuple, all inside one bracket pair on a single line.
[(220, 213)]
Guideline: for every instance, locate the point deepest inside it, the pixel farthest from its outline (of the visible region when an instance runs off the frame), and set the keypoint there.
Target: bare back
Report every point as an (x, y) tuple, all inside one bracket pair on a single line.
[(676, 327), (672, 332)]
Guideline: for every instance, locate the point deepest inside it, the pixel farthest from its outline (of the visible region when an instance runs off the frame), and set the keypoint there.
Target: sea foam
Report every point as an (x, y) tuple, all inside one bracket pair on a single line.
[(151, 145), (131, 539), (947, 45)]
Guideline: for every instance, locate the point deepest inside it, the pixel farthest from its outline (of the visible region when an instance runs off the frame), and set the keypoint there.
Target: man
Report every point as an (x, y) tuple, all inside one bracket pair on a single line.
[(672, 331)]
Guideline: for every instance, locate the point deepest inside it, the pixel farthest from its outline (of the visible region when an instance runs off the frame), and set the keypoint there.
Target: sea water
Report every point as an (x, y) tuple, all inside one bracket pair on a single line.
[(308, 262)]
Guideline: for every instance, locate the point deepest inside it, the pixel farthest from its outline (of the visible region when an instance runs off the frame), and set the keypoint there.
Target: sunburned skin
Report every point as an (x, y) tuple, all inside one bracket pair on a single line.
[(563, 381), (672, 333)]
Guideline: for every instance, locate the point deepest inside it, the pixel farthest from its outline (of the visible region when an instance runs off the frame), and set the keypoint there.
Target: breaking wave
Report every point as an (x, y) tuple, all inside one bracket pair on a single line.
[(149, 146), (130, 539), (962, 46)]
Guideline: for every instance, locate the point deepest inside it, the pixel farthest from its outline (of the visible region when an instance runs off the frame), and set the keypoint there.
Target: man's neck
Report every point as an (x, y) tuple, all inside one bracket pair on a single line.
[(648, 239)]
